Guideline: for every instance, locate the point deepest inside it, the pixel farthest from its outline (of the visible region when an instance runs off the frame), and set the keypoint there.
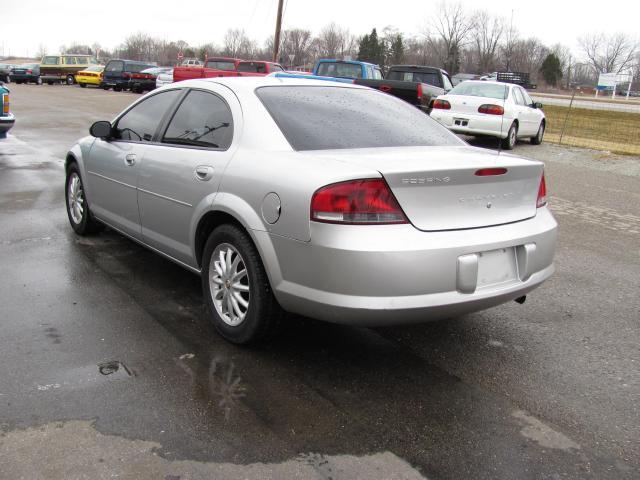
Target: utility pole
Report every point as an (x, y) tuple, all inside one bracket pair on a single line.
[(276, 39)]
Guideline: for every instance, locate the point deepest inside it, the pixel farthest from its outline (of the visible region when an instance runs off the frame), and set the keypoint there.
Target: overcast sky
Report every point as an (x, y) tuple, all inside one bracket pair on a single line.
[(24, 24)]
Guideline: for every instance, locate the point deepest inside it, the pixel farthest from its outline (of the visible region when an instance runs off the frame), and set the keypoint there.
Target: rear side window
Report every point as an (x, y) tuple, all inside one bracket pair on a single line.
[(70, 60), (114, 66), (203, 120), (140, 123), (326, 118), (51, 60)]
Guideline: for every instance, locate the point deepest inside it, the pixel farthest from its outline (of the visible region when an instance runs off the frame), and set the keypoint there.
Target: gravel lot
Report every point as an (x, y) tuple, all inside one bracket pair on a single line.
[(110, 369)]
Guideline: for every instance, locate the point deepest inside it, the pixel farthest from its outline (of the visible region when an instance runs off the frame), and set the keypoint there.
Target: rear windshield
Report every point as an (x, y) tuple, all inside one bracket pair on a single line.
[(342, 70), (328, 118), (431, 78), (252, 67), (481, 89), (115, 66), (136, 67), (221, 65)]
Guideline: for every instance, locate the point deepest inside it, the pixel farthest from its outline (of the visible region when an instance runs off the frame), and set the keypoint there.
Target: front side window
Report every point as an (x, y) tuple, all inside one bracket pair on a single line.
[(517, 96), (527, 98), (203, 120), (140, 123), (51, 60), (326, 118)]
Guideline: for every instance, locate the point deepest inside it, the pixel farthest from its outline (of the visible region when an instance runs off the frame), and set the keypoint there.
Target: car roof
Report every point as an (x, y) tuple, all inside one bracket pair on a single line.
[(251, 83), (489, 82)]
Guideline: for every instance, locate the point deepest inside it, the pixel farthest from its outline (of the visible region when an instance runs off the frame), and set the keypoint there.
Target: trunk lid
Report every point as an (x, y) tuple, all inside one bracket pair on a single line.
[(469, 104), (438, 189)]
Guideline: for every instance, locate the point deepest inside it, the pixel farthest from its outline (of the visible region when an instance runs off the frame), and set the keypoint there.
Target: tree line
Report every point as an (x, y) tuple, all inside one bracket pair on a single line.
[(456, 39)]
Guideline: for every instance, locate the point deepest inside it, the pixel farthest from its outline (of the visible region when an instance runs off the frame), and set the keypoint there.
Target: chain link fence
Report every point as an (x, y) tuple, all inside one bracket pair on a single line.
[(612, 125)]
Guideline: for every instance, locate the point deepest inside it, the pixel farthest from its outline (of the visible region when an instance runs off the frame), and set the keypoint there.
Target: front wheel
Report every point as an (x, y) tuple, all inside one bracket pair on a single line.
[(537, 140), (510, 142), (236, 287), (78, 211), (70, 80)]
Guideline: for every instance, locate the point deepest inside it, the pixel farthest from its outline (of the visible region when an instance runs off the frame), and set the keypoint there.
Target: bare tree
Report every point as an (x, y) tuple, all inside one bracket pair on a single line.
[(295, 42), (487, 34), (237, 44), (609, 53), (452, 27), (335, 42)]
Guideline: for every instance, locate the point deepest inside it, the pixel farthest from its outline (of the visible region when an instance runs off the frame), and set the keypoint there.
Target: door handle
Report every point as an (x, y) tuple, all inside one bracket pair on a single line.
[(130, 159), (203, 173)]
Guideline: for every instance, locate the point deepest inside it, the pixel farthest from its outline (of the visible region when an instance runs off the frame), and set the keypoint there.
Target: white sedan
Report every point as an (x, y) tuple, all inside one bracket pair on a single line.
[(495, 109), (164, 78)]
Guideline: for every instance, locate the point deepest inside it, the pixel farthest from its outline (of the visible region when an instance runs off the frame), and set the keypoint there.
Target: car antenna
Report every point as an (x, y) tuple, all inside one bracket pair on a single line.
[(504, 102)]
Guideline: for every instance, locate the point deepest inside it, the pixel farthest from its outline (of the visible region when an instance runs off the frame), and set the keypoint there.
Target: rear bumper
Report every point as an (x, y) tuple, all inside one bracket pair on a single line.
[(476, 124), (88, 80), (396, 274), (6, 123)]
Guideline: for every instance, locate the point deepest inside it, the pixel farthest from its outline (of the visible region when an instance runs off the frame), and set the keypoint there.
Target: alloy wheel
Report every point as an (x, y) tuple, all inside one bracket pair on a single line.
[(75, 197), (229, 284)]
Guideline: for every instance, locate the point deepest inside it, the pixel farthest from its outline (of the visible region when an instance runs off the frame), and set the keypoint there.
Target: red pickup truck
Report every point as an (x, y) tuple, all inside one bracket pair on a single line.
[(226, 67)]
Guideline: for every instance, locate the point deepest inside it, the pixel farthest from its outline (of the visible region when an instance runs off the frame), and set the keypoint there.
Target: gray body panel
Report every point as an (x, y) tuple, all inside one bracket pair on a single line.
[(365, 274)]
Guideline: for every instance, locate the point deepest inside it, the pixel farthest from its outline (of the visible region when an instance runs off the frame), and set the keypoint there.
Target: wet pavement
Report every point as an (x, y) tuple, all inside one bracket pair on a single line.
[(109, 367)]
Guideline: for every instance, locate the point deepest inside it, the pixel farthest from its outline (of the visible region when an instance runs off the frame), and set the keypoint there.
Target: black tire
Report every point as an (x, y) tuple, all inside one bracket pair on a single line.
[(83, 85), (19, 82), (263, 313), (38, 81), (70, 80), (49, 82), (537, 140), (85, 224), (512, 137)]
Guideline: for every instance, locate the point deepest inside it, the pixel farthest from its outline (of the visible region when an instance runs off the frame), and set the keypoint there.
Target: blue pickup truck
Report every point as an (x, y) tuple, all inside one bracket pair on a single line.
[(347, 69), (415, 84), (6, 117)]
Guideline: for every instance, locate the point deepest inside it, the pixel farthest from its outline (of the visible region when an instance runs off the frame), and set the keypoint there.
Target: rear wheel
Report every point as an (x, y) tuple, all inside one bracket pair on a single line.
[(38, 81), (510, 142), (117, 89), (70, 80), (78, 211), (236, 288), (537, 140), (49, 82)]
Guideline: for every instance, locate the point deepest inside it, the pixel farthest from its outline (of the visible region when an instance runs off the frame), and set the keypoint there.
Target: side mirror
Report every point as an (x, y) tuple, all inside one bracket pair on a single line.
[(101, 129), (537, 105)]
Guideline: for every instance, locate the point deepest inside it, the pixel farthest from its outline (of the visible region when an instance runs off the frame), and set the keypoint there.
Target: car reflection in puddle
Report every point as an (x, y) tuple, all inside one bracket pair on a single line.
[(221, 387)]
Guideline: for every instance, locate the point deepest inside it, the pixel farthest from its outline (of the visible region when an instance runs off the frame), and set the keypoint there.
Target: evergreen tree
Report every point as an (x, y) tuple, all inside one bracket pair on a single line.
[(551, 70)]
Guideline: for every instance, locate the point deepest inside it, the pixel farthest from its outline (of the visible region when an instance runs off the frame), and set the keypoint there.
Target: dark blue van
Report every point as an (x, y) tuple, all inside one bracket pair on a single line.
[(118, 73)]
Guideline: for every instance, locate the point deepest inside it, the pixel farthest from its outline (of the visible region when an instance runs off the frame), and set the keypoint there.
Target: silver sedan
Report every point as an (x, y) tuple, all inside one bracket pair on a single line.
[(324, 199)]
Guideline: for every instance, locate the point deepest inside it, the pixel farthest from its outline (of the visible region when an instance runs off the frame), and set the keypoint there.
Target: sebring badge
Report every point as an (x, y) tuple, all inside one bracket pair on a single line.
[(423, 180)]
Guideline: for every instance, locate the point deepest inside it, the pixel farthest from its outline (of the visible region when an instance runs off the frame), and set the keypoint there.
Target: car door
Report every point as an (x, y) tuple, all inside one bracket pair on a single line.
[(535, 114), (181, 174), (113, 164), (520, 108)]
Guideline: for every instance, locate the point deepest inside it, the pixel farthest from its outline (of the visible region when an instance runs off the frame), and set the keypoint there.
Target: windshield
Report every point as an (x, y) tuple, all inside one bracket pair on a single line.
[(339, 69), (327, 118), (481, 89), (221, 65), (96, 68)]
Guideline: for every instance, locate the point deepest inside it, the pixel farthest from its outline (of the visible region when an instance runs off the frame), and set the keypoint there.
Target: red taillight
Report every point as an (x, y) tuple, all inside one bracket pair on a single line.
[(486, 172), (126, 75), (29, 72), (361, 202), (491, 109), (542, 193), (419, 91), (441, 104)]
